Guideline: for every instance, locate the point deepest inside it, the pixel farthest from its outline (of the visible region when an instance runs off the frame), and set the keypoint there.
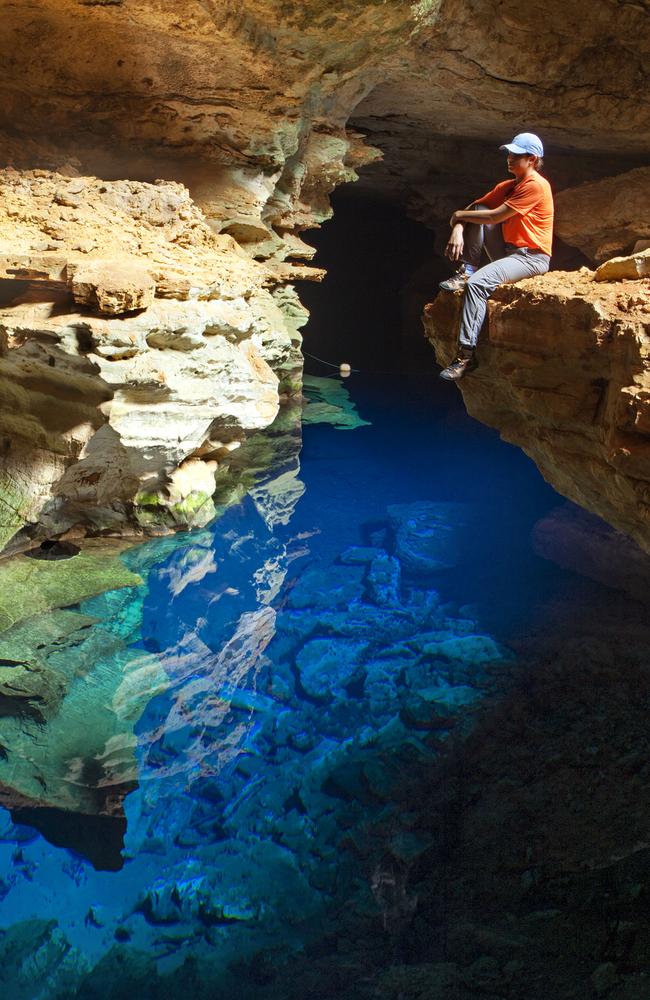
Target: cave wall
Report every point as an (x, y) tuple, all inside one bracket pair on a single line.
[(563, 374), (244, 117)]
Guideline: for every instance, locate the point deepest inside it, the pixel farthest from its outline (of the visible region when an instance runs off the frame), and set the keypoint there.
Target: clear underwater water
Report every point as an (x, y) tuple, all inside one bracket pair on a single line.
[(299, 670)]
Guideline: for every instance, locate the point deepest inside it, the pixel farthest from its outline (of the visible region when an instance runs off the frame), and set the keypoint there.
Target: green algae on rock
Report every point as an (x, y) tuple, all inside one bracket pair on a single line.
[(89, 689), (11, 516), (30, 586)]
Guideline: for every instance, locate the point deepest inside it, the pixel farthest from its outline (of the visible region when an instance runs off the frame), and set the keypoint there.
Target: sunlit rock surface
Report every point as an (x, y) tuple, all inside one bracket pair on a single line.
[(636, 265), (118, 407), (564, 373)]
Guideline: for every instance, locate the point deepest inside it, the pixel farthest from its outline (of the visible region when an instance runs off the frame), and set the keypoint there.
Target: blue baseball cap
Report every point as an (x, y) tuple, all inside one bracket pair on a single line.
[(525, 142)]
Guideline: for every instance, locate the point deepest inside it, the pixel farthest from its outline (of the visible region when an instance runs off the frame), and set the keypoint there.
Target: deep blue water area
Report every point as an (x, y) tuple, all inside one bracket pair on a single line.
[(421, 444), (295, 675)]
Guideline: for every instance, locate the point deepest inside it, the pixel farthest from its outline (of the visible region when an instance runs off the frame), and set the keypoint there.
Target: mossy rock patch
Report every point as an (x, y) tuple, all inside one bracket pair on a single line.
[(30, 586), (13, 504)]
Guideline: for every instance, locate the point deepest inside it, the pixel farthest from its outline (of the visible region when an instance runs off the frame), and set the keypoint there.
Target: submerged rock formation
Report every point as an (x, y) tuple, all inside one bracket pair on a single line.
[(564, 373), (581, 542), (74, 676), (291, 706)]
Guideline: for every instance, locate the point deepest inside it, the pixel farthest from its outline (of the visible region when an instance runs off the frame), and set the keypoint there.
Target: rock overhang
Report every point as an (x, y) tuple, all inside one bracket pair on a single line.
[(563, 373)]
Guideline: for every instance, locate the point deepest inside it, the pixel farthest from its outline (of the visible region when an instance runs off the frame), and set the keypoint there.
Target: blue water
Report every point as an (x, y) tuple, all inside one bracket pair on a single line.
[(308, 668)]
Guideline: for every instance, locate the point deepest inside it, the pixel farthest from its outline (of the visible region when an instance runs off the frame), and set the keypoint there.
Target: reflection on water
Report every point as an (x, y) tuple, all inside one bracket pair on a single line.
[(353, 740)]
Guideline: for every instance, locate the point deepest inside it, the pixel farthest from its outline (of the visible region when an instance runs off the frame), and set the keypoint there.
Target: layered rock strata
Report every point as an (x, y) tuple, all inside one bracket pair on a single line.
[(564, 374), (141, 353), (258, 108)]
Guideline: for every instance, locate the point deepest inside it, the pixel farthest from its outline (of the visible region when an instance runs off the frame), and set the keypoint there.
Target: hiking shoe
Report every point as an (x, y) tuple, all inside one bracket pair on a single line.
[(457, 281), (458, 368)]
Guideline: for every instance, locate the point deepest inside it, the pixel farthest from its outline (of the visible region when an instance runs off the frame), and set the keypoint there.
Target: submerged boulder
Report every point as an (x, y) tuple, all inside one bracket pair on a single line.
[(327, 401), (428, 535), (194, 899), (383, 580), (325, 666), (122, 972), (37, 960), (327, 587)]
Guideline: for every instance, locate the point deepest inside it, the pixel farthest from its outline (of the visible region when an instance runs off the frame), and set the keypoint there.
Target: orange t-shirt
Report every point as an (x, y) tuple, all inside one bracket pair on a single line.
[(532, 200)]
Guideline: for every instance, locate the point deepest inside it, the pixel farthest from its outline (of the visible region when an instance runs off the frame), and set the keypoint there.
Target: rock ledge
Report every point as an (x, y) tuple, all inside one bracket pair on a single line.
[(564, 373)]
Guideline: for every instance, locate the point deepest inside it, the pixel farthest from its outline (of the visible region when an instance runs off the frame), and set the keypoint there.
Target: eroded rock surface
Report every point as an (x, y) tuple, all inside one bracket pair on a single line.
[(261, 109), (583, 543), (605, 218), (564, 373), (143, 352)]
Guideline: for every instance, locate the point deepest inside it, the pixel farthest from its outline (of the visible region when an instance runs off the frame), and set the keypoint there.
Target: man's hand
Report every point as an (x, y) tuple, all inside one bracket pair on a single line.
[(454, 247)]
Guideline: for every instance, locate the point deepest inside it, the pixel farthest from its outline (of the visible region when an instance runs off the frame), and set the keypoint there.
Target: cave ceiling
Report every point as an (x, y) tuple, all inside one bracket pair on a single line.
[(151, 87)]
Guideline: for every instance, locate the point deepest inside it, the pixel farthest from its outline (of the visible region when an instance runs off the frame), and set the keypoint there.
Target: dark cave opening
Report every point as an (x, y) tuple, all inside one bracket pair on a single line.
[(381, 270)]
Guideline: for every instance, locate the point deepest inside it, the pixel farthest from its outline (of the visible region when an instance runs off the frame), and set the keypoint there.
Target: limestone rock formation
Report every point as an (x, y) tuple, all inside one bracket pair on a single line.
[(259, 109), (473, 75), (564, 373), (619, 268), (606, 217), (117, 407), (113, 287), (583, 543)]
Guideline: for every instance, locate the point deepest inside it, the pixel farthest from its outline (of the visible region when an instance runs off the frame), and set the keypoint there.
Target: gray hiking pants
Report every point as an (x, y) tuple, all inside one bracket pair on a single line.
[(507, 263)]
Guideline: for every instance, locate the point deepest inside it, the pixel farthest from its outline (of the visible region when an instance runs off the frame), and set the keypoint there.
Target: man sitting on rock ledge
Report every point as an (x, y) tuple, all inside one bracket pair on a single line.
[(514, 222)]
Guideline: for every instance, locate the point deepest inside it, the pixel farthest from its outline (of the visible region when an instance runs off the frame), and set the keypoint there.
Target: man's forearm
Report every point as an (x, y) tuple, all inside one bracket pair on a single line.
[(479, 215)]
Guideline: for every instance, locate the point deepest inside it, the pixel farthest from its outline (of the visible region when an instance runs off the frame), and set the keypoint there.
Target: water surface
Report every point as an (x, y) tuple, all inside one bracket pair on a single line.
[(349, 728)]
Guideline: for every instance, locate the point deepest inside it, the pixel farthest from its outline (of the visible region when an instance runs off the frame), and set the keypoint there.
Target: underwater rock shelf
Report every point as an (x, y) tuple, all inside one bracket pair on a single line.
[(320, 707)]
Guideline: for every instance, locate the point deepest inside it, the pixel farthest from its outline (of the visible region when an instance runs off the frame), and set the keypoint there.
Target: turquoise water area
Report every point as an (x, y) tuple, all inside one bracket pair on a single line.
[(277, 715)]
